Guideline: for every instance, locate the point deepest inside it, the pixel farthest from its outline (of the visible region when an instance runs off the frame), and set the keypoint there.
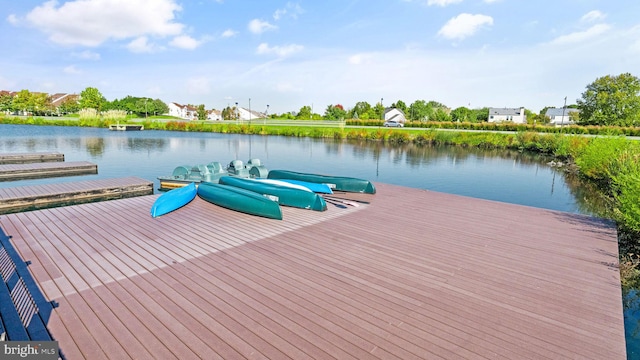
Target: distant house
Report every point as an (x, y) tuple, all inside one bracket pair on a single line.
[(560, 116), (394, 114), (214, 115), (244, 114), (515, 115), (58, 99), (186, 112)]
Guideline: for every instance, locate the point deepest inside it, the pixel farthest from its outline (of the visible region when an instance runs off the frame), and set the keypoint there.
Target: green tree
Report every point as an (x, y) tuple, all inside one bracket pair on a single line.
[(22, 101), (5, 101), (335, 112), (202, 112), (304, 113), (361, 111), (611, 100), (377, 112), (91, 98), (461, 114), (69, 105), (482, 114), (419, 110)]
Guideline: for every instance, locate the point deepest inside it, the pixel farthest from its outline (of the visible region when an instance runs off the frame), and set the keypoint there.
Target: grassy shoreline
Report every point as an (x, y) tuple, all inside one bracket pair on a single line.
[(610, 162)]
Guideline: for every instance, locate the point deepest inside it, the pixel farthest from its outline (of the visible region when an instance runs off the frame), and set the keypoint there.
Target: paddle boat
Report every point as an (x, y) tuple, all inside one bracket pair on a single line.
[(283, 193), (212, 172), (340, 183), (238, 199)]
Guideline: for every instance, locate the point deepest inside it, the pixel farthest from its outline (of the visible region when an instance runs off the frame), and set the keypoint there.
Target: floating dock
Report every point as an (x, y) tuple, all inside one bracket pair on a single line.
[(11, 172), (412, 275), (25, 158), (126, 127), (27, 198)]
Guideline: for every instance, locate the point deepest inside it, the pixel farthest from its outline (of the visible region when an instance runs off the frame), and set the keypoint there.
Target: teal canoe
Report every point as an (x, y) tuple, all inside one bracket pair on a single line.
[(173, 200), (238, 199), (315, 187), (282, 194), (340, 183)]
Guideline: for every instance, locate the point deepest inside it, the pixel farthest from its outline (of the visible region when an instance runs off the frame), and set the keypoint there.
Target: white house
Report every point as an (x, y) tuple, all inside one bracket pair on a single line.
[(244, 114), (560, 116), (214, 115), (515, 115), (394, 114), (187, 112)]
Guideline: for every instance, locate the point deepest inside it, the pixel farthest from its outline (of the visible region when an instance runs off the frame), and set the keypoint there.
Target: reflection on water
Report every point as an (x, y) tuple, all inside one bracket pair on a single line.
[(507, 176)]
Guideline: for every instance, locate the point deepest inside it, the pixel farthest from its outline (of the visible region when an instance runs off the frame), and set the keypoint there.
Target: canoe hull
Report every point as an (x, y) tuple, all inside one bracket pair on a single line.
[(315, 187), (282, 194), (238, 199), (340, 183), (173, 200)]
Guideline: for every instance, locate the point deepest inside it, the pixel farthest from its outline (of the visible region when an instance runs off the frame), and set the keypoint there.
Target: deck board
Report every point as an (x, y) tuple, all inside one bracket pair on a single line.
[(34, 197), (11, 172), (24, 158), (411, 275)]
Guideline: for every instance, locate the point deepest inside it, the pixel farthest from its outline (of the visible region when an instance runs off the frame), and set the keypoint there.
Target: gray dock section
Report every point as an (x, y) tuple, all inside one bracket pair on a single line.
[(25, 158), (12, 172), (27, 198)]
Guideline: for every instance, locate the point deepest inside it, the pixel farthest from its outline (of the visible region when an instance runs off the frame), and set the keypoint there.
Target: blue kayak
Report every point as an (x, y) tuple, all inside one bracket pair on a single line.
[(173, 200)]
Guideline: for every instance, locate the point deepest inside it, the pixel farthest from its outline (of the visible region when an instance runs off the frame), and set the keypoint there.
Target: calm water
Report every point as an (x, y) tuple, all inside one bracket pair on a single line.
[(494, 175)]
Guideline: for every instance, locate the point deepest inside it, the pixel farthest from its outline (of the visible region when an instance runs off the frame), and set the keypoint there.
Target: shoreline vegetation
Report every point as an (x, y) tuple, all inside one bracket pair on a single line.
[(606, 158)]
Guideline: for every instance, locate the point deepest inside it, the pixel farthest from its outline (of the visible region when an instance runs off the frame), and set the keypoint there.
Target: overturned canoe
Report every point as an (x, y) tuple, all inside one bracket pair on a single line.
[(335, 182), (238, 199), (282, 194), (315, 187), (173, 200)]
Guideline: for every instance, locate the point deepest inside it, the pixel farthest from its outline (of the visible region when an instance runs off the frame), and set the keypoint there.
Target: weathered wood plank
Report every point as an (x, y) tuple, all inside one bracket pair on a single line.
[(27, 198), (13, 172), (25, 158)]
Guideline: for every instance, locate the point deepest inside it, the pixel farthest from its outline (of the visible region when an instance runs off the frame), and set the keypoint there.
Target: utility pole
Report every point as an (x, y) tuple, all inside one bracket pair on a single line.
[(564, 108), (249, 111)]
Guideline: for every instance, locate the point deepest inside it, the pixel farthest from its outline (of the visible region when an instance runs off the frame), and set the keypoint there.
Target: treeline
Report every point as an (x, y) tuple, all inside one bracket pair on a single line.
[(608, 101), (25, 102)]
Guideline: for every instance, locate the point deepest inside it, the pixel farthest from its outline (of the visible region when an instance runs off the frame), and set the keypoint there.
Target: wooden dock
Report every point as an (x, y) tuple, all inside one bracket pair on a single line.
[(25, 158), (12, 172), (26, 198), (412, 275)]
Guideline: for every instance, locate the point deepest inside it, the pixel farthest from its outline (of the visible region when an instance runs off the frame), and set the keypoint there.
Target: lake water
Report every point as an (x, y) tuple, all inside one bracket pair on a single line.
[(504, 176)]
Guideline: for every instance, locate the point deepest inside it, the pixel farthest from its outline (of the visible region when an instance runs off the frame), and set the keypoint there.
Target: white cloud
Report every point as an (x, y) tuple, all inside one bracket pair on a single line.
[(141, 45), (593, 16), (71, 69), (92, 22), (464, 25), (185, 42), (291, 9), (359, 59), (13, 19), (86, 55), (581, 36), (229, 33), (258, 26), (442, 2), (280, 51)]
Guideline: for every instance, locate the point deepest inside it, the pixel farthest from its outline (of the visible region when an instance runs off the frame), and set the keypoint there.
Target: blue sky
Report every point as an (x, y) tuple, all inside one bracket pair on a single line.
[(287, 54)]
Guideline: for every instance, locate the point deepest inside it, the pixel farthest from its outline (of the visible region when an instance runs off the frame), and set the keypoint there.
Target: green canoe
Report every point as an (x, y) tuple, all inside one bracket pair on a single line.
[(283, 195), (238, 199), (341, 183)]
